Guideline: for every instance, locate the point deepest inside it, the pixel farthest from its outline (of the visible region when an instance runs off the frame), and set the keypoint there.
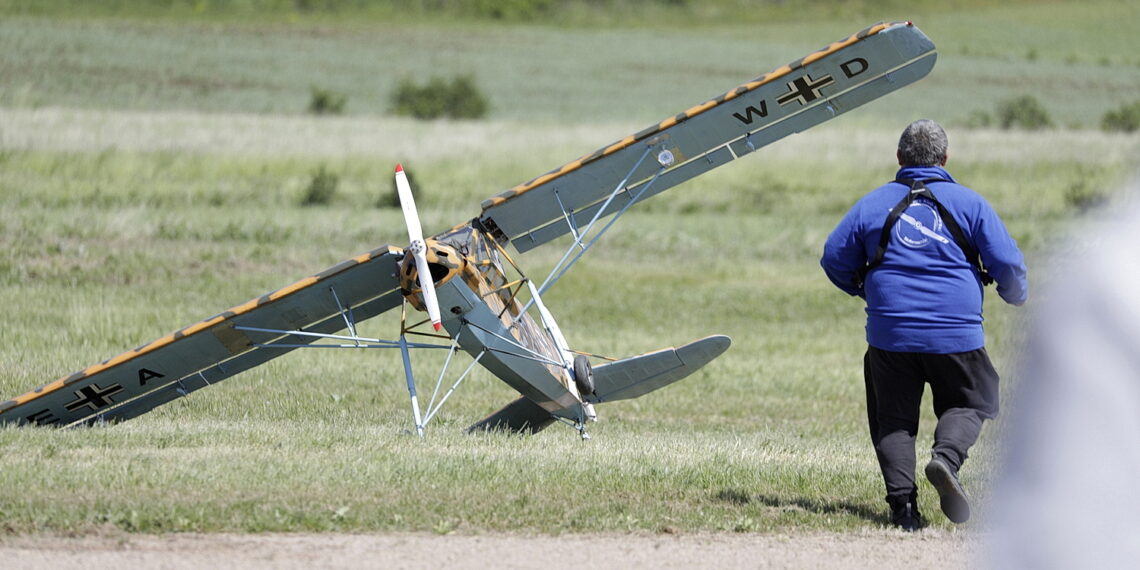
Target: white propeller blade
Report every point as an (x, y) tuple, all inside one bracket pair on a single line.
[(418, 249)]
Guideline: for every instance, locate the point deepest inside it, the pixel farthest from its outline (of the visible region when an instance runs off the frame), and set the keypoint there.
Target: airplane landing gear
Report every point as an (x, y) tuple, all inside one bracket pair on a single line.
[(583, 375)]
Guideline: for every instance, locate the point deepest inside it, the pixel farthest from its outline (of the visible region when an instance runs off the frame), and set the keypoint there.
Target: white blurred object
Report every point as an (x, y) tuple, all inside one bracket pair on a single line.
[(1068, 495)]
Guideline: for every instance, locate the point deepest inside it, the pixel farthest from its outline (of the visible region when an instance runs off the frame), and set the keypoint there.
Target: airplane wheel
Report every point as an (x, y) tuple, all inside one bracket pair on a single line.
[(583, 375)]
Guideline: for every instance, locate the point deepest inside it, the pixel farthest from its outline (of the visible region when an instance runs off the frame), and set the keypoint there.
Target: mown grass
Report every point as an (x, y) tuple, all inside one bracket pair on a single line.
[(769, 437), (123, 218), (278, 476)]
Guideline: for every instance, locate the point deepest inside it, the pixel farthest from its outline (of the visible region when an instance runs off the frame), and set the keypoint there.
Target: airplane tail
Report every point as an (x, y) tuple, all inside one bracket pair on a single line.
[(640, 375), (619, 380)]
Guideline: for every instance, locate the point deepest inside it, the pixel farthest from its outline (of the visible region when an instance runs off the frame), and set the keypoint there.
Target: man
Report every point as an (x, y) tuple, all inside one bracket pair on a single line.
[(918, 250)]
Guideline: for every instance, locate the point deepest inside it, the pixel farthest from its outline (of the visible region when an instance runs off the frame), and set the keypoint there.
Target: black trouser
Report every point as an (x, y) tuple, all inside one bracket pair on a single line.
[(965, 390)]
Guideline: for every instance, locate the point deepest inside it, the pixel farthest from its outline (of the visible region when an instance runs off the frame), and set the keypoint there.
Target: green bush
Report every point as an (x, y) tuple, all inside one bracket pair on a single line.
[(1125, 119), (326, 102), (1084, 195), (1024, 112), (392, 198), (458, 98), (978, 119), (464, 100), (321, 188), (511, 10)]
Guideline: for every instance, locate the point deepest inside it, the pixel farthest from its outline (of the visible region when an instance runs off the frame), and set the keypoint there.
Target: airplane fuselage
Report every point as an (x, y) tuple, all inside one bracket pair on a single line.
[(480, 309)]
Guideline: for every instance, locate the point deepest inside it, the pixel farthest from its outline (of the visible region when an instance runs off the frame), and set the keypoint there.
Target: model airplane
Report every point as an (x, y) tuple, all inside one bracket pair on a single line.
[(476, 299)]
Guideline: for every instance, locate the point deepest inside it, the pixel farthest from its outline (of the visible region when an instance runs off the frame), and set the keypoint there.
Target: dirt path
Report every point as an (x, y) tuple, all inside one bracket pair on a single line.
[(869, 549)]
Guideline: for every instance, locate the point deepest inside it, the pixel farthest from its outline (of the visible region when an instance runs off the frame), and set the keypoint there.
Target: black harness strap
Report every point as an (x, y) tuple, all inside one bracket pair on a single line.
[(918, 188)]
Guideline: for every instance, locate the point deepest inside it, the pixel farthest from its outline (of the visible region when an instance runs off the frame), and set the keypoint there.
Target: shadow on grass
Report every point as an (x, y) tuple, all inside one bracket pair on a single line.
[(738, 497)]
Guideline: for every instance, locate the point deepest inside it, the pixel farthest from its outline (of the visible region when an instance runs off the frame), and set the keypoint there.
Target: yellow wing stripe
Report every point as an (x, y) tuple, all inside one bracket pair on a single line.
[(685, 115), (195, 328)]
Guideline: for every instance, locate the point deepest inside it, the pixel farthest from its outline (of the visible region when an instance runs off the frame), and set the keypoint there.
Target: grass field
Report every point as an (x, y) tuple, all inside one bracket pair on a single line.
[(151, 174)]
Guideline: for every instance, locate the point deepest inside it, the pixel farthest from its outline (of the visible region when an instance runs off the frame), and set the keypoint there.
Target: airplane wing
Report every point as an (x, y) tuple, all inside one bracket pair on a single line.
[(795, 97), (214, 349), (519, 416)]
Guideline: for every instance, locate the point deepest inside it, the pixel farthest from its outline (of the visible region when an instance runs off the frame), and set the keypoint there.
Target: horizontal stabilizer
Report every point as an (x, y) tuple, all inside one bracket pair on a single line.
[(519, 416), (643, 374)]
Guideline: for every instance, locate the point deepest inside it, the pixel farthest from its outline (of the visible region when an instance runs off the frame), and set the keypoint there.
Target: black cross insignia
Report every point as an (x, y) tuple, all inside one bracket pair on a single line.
[(94, 397), (804, 89)]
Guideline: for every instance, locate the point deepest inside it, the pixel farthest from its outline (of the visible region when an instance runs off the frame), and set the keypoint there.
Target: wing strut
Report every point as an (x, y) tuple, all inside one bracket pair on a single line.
[(525, 352), (664, 158), (432, 411), (349, 322), (551, 325), (560, 269), (356, 341)]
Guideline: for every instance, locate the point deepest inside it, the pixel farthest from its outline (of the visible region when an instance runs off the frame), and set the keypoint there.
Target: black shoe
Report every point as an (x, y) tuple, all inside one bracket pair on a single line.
[(906, 516), (951, 496)]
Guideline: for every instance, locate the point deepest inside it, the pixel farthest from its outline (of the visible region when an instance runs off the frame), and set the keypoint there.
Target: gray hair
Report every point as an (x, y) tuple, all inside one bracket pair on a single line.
[(923, 143)]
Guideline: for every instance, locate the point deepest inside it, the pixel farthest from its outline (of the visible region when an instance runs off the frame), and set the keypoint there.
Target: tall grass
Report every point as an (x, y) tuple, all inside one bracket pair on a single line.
[(621, 13), (1083, 64)]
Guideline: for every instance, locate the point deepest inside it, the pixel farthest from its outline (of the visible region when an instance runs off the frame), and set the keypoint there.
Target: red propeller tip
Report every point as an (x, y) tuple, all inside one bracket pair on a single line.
[(436, 325), (399, 167)]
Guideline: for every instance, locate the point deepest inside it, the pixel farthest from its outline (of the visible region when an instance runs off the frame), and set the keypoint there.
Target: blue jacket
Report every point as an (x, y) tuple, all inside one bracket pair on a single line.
[(924, 296)]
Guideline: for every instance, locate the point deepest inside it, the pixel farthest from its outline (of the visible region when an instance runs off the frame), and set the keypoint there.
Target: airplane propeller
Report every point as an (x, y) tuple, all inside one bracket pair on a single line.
[(418, 248)]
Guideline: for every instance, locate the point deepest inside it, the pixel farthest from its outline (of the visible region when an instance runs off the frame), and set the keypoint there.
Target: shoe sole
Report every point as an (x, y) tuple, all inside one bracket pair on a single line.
[(952, 498)]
